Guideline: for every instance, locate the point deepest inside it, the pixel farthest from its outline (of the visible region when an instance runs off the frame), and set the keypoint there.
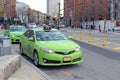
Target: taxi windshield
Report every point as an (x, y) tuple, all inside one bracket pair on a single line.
[(49, 36), (14, 29)]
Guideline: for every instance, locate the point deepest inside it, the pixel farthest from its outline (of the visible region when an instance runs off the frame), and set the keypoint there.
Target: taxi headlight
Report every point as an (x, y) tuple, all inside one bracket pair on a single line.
[(78, 49), (47, 50)]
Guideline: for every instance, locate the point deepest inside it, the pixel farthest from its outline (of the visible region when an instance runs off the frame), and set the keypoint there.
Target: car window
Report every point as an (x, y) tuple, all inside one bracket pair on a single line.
[(29, 33), (49, 36), (14, 29)]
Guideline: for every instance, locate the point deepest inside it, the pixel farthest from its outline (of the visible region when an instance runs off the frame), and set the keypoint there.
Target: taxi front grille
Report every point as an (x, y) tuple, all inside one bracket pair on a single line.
[(17, 40), (18, 36), (65, 53)]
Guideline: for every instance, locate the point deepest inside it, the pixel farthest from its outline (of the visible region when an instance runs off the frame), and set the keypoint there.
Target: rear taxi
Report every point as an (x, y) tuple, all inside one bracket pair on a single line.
[(14, 32)]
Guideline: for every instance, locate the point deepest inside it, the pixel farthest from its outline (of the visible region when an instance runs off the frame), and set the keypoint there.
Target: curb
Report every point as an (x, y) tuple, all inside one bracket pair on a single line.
[(34, 67), (8, 65), (40, 71)]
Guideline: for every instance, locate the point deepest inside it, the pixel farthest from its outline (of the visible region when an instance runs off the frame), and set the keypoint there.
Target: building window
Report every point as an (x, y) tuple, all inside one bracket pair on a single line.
[(118, 15), (84, 8), (100, 1), (115, 6), (115, 15), (92, 11), (92, 1), (83, 1)]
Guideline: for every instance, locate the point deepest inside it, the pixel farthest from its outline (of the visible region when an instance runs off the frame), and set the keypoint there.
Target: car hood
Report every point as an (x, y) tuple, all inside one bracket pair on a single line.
[(16, 33), (58, 45)]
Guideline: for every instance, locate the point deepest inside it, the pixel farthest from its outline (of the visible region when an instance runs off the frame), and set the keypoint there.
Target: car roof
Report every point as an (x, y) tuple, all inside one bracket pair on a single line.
[(16, 26), (42, 29)]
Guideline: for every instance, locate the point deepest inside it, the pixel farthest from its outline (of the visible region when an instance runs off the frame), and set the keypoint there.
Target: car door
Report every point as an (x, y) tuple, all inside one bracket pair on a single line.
[(24, 42), (30, 43)]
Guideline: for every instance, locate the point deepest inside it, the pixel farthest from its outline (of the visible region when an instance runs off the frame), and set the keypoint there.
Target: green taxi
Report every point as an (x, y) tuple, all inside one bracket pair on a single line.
[(49, 47), (14, 32)]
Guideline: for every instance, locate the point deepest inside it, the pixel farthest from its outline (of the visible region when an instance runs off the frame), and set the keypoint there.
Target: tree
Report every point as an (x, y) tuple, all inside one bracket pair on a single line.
[(21, 10)]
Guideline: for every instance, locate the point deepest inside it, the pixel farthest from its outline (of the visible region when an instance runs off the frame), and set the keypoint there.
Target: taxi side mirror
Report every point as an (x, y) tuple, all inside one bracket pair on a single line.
[(7, 30)]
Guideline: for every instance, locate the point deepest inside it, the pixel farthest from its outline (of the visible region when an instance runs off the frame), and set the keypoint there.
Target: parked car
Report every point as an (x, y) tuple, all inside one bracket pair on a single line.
[(114, 29), (62, 26), (14, 32), (50, 47), (31, 25)]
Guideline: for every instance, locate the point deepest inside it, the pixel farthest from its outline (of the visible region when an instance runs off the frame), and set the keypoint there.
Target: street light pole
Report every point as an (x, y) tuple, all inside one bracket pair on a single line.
[(38, 16), (74, 14), (58, 16), (5, 9)]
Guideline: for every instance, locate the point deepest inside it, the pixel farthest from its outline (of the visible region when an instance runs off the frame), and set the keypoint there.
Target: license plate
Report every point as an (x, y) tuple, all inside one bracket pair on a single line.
[(67, 58)]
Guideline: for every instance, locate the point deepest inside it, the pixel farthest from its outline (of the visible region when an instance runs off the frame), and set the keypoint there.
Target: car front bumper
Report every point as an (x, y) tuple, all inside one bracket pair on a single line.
[(57, 59), (15, 39)]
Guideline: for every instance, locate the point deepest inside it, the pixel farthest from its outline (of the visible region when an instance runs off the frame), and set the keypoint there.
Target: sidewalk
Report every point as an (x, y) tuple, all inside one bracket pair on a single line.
[(28, 71)]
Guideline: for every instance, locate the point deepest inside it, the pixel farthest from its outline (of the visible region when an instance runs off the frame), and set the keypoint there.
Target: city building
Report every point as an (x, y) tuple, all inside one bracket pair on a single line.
[(76, 11), (27, 15), (7, 9), (52, 7)]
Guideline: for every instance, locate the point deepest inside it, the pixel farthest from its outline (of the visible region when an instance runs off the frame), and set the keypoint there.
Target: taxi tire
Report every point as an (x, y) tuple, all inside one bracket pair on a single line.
[(36, 59), (21, 50)]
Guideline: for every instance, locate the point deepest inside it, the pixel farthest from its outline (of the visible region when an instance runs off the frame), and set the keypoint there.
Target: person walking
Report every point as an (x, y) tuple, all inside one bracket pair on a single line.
[(5, 25), (81, 27), (99, 28)]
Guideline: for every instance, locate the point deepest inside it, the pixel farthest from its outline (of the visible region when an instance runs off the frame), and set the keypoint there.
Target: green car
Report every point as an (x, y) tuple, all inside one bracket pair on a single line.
[(14, 32), (50, 47)]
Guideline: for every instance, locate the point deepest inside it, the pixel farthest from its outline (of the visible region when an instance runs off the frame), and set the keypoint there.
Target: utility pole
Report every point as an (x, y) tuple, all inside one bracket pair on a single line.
[(38, 16), (58, 15), (74, 15), (5, 9)]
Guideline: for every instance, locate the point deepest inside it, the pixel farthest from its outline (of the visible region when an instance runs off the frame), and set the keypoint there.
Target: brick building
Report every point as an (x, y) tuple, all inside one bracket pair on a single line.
[(7, 8), (76, 11)]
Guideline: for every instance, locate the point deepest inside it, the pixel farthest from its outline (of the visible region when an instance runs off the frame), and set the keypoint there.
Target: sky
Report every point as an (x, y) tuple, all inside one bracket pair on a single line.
[(40, 5), (36, 4)]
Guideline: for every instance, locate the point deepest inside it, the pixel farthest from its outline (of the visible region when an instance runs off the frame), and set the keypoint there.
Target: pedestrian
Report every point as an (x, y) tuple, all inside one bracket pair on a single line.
[(94, 27), (87, 27), (72, 26), (91, 27), (99, 28), (5, 24), (81, 27)]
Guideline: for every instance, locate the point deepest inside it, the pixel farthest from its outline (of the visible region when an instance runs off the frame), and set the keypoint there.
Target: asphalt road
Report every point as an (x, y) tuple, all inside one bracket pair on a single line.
[(99, 64)]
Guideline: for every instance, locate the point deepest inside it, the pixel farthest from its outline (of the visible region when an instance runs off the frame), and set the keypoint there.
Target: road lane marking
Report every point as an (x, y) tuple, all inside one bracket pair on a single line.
[(98, 42), (66, 73), (116, 48)]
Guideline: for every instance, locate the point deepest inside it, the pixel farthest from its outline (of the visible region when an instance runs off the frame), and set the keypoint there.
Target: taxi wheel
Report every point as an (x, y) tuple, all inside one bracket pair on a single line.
[(21, 50), (36, 59)]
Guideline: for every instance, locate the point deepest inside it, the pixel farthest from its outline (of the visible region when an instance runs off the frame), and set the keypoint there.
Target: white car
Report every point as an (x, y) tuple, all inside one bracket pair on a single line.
[(116, 29), (62, 26), (31, 25)]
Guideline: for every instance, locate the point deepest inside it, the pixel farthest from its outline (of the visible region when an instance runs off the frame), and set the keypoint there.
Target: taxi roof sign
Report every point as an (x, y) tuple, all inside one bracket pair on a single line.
[(46, 28)]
